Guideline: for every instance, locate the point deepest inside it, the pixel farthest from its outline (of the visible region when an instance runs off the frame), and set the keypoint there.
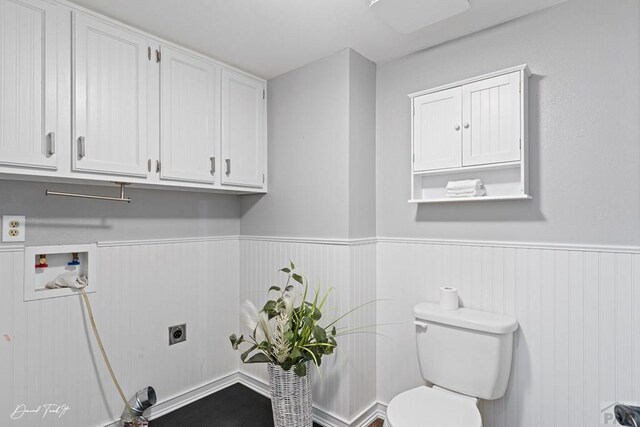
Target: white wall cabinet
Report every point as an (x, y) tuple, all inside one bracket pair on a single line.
[(242, 129), (110, 103), (436, 130), (84, 98), (476, 128), (491, 120), (29, 37), (190, 126)]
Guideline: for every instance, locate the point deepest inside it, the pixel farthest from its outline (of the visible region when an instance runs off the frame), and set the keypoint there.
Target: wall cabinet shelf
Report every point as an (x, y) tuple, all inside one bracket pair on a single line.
[(471, 199), (87, 99), (476, 128)]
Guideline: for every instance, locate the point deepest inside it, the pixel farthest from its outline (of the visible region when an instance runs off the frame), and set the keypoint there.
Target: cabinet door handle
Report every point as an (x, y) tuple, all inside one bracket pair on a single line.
[(149, 165), (81, 147), (228, 162), (457, 127), (213, 165), (466, 125), (52, 143), (158, 166)]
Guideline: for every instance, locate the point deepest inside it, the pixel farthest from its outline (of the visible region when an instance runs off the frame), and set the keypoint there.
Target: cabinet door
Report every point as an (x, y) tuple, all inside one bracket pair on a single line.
[(242, 129), (491, 120), (437, 139), (28, 79), (110, 105), (188, 121)]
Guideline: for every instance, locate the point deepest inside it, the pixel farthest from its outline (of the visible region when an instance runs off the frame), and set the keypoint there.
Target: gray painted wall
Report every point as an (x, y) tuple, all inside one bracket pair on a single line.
[(152, 214), (362, 146), (585, 128), (312, 123)]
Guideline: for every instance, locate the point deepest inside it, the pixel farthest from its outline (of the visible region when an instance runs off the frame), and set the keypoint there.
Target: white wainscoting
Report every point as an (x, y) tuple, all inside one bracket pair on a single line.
[(345, 388), (48, 354), (579, 339), (578, 343)]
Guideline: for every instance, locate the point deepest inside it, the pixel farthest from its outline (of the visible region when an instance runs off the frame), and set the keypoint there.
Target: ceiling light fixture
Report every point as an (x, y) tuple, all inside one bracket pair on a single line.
[(407, 16)]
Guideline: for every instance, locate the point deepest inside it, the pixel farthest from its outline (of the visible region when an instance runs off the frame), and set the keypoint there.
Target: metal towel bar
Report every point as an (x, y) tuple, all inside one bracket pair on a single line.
[(122, 197)]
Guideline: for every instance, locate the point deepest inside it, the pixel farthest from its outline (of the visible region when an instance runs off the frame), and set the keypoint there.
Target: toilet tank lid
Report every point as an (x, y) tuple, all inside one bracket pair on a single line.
[(466, 318)]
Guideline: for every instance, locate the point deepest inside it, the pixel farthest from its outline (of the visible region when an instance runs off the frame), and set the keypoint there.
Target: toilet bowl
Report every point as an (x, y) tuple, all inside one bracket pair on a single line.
[(432, 406), (466, 354)]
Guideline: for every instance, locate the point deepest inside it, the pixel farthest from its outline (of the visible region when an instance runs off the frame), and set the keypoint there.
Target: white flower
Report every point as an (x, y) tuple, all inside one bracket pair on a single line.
[(281, 346), (257, 322), (265, 328)]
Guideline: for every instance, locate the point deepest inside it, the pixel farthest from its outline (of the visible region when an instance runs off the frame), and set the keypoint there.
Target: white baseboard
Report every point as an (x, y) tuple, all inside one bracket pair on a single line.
[(322, 417)]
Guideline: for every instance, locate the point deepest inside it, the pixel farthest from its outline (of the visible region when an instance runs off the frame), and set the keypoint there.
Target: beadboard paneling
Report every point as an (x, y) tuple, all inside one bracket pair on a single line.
[(51, 355), (345, 385), (579, 338)]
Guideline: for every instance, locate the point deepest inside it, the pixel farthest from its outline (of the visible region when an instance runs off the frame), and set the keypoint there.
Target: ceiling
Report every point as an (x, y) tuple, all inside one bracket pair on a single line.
[(271, 37)]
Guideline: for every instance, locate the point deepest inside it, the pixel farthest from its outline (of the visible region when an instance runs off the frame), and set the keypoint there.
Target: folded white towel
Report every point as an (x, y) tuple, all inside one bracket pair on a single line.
[(467, 191), (464, 185), (477, 192)]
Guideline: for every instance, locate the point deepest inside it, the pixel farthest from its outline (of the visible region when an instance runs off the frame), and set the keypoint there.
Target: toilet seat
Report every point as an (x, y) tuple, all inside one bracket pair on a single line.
[(432, 407)]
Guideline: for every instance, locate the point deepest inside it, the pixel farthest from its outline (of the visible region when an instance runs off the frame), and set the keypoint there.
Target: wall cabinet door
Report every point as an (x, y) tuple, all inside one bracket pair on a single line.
[(189, 126), (491, 120), (242, 130), (437, 132), (28, 83), (110, 105)]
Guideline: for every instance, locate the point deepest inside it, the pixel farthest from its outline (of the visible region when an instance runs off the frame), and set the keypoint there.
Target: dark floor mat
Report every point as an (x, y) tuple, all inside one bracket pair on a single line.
[(234, 406)]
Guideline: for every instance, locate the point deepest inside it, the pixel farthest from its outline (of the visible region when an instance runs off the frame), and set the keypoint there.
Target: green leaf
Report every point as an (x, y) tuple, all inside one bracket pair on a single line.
[(308, 321), (293, 266), (258, 358), (274, 288), (286, 270), (269, 307), (300, 369), (298, 278), (235, 341), (244, 355), (295, 354), (289, 336), (319, 334)]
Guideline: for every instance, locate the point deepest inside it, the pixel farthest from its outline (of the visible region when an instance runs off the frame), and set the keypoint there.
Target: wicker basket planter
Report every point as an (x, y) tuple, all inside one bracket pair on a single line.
[(290, 397)]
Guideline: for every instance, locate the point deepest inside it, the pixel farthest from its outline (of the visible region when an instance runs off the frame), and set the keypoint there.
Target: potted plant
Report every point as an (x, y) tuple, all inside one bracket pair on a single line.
[(287, 335)]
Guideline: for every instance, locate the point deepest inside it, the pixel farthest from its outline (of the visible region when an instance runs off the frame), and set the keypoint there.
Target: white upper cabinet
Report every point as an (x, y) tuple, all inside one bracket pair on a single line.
[(28, 83), (190, 127), (491, 120), (476, 122), (473, 129), (86, 98), (243, 127), (110, 103), (437, 132)]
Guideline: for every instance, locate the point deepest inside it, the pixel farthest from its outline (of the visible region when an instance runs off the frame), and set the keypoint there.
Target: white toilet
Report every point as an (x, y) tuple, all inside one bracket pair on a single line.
[(466, 355)]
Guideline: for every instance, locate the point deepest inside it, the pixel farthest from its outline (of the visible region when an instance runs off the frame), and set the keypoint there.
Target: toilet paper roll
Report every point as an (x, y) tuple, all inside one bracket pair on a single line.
[(449, 298)]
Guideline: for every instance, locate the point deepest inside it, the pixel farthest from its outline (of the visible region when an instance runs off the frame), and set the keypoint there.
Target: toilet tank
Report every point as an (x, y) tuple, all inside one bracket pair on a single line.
[(466, 351)]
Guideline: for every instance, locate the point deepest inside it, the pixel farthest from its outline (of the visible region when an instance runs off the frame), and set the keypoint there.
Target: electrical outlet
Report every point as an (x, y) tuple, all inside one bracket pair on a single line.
[(177, 334), (13, 228)]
